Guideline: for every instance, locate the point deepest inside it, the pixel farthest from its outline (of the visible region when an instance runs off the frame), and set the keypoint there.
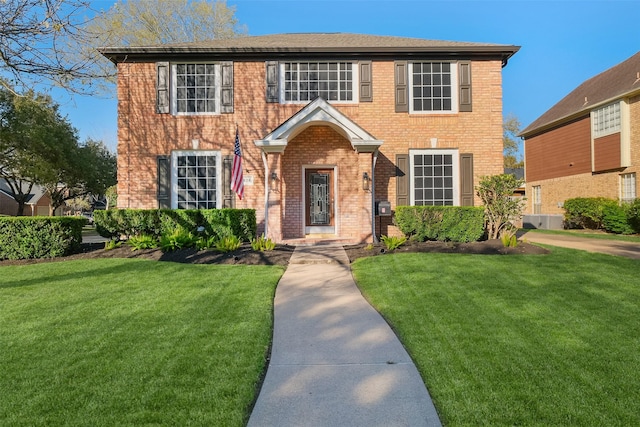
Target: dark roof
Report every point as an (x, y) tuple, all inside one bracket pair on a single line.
[(313, 44), (614, 83)]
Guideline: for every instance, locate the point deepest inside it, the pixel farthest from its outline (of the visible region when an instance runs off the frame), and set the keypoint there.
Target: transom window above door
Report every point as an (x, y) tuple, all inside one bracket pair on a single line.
[(305, 81)]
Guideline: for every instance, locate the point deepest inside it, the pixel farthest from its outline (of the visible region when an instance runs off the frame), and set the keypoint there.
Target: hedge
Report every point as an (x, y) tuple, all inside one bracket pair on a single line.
[(442, 223), (40, 237), (600, 213), (117, 223)]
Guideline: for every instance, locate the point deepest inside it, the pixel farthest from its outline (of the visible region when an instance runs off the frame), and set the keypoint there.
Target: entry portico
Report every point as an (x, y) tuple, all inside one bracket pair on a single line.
[(319, 176)]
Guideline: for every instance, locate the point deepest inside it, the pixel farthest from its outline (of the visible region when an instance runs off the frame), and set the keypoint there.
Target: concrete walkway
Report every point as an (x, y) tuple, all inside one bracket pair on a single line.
[(611, 247), (334, 360)]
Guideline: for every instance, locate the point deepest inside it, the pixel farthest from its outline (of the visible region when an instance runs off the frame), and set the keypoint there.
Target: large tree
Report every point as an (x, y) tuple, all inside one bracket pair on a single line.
[(39, 146), (89, 169), (512, 142), (35, 140), (155, 22), (39, 41)]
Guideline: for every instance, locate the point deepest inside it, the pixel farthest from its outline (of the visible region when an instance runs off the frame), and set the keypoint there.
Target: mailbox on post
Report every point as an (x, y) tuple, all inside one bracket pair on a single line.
[(383, 208)]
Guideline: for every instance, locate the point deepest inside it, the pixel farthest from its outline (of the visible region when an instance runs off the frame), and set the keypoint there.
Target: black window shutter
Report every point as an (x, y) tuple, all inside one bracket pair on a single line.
[(366, 86), (402, 179), (164, 182), (466, 180), (464, 68), (162, 88), (272, 81), (226, 103), (228, 199), (402, 99)]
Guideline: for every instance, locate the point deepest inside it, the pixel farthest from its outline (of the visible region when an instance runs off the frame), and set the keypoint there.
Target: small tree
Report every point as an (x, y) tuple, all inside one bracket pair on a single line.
[(501, 208)]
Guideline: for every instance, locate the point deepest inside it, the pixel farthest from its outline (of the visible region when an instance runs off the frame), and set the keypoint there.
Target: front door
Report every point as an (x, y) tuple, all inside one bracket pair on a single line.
[(319, 201)]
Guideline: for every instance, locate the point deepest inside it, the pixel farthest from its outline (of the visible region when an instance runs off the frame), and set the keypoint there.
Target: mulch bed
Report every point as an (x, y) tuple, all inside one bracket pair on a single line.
[(282, 253)]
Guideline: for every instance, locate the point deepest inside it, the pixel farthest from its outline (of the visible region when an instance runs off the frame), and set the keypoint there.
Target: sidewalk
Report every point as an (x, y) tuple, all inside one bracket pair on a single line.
[(611, 247), (334, 360)]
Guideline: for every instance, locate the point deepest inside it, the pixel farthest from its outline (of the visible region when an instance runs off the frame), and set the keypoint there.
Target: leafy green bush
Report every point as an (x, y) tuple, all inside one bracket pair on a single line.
[(633, 215), (261, 244), (615, 219), (443, 223), (501, 209), (115, 223), (142, 241), (228, 244), (39, 237), (393, 242), (587, 212), (112, 244), (205, 242), (179, 239)]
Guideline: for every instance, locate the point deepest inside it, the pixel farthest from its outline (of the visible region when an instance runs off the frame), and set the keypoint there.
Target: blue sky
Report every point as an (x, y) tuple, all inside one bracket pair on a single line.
[(563, 42)]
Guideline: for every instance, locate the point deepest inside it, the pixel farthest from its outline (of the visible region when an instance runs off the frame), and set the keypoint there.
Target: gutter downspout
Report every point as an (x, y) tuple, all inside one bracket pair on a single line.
[(373, 196), (266, 192)]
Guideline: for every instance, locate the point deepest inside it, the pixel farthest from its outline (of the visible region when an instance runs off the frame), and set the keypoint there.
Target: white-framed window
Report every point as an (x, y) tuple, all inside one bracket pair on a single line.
[(433, 87), (606, 120), (195, 88), (537, 199), (435, 177), (302, 82), (196, 178), (628, 187)]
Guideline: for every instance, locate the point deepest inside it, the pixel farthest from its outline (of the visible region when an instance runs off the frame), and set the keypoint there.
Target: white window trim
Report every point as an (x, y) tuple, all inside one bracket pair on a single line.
[(174, 89), (455, 162), (174, 173), (355, 83), (455, 88), (632, 186)]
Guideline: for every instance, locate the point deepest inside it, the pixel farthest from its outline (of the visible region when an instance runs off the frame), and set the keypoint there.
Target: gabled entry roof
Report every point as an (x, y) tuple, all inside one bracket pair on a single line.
[(318, 112)]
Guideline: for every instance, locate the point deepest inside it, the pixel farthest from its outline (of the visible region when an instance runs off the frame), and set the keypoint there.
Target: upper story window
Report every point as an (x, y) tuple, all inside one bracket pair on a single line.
[(433, 87), (304, 81), (195, 88), (606, 120)]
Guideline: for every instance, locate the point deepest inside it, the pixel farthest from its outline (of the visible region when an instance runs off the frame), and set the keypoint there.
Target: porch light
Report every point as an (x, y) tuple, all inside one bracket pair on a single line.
[(365, 181), (274, 181)]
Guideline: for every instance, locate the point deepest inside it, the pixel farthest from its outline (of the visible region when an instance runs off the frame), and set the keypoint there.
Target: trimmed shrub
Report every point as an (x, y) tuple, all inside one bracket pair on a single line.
[(443, 223), (217, 223), (587, 212), (615, 220), (633, 215), (39, 237)]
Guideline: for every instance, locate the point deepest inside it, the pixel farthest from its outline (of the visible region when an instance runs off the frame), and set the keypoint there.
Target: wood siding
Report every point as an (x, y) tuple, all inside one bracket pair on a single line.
[(606, 153), (559, 152)]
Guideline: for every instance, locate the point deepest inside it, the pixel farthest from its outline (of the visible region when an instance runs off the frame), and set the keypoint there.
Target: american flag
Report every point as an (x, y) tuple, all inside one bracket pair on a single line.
[(237, 180)]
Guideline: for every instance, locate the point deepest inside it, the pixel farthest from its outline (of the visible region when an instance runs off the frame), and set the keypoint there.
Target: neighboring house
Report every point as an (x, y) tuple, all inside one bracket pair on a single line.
[(329, 124), (37, 203), (588, 144)]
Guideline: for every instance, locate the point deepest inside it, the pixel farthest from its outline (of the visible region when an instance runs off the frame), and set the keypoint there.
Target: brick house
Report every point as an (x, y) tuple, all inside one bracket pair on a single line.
[(37, 204), (588, 144), (329, 124)]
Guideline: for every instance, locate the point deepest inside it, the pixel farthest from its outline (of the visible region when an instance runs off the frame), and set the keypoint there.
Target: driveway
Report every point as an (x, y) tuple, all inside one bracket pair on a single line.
[(611, 247)]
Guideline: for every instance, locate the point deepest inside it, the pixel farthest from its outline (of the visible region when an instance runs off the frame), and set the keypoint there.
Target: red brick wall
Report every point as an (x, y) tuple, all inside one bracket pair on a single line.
[(143, 135)]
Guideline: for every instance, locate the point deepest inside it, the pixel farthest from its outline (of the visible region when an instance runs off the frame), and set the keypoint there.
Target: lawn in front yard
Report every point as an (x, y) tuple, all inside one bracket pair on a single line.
[(132, 342), (517, 340)]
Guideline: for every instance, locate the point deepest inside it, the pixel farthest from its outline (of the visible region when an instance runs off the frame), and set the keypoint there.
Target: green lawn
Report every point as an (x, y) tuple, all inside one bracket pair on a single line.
[(517, 340), (591, 234), (132, 342)]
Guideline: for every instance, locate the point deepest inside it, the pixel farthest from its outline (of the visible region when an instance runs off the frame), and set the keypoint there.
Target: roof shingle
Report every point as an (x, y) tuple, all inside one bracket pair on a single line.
[(614, 83)]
